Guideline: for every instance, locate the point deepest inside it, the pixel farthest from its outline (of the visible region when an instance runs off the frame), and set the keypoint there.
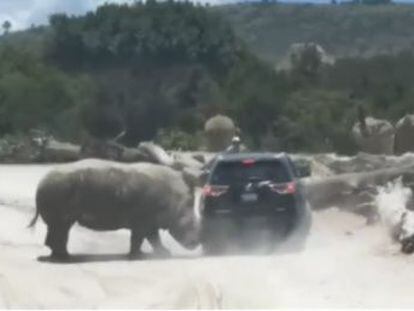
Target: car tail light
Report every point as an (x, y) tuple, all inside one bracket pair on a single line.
[(285, 188), (248, 162), (214, 191)]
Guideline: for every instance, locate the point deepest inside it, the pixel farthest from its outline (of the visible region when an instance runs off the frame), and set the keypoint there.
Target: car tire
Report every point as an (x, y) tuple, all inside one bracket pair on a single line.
[(297, 240)]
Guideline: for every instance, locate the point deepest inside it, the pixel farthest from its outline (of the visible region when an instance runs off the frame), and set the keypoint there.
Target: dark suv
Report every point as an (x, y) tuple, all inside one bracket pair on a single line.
[(253, 201)]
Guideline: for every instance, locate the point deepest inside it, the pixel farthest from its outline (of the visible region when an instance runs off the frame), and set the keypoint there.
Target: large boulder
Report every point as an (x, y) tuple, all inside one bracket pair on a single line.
[(374, 136), (219, 131), (404, 135), (304, 54)]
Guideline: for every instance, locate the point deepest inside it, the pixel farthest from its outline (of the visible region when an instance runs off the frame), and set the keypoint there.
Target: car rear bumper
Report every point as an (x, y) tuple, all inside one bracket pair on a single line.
[(236, 229), (227, 225)]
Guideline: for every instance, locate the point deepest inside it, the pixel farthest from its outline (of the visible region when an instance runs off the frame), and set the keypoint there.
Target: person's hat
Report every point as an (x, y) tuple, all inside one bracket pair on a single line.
[(235, 139)]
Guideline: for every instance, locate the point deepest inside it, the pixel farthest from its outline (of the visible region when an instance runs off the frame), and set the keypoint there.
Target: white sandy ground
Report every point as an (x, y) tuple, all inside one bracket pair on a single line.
[(346, 264)]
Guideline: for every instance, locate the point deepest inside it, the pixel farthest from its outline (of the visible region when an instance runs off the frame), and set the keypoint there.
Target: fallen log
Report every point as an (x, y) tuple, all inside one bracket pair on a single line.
[(361, 162), (182, 160), (354, 192), (332, 190), (155, 153), (55, 151), (130, 155)]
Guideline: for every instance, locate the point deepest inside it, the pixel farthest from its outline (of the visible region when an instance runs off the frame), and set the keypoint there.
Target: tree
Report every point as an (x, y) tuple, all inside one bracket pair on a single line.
[(317, 121), (6, 27), (36, 95), (375, 2), (174, 63)]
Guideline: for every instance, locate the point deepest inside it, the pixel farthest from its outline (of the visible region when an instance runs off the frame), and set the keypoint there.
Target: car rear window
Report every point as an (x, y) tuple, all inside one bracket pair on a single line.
[(227, 173)]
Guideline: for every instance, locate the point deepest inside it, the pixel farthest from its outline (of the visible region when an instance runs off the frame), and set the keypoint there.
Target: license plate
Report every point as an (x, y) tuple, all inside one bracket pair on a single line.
[(249, 197)]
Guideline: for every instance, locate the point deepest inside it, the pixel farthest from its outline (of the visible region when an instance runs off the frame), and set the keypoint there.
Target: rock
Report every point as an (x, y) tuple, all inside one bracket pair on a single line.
[(297, 52), (374, 136), (404, 135), (219, 131)]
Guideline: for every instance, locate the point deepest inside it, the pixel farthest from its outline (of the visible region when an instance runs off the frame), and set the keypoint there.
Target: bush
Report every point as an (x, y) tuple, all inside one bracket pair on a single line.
[(175, 139), (317, 121)]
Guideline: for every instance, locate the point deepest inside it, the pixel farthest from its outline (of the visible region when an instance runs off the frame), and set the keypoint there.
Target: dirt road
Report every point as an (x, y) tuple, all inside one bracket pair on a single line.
[(346, 264)]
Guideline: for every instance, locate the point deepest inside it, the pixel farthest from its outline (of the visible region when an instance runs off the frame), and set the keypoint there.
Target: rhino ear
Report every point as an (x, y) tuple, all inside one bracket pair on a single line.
[(193, 177)]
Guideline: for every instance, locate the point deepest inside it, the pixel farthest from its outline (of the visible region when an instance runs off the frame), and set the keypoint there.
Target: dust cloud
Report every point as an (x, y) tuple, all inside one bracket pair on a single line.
[(345, 264), (393, 202)]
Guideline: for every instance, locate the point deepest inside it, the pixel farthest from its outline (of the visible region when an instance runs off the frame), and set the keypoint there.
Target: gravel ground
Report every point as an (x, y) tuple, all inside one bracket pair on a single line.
[(345, 264)]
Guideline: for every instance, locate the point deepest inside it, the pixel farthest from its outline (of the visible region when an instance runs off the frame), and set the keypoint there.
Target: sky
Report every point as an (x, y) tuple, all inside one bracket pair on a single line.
[(23, 13)]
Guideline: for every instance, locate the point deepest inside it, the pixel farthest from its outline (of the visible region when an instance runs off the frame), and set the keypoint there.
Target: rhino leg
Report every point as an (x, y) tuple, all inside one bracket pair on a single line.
[(137, 237), (57, 240), (155, 241)]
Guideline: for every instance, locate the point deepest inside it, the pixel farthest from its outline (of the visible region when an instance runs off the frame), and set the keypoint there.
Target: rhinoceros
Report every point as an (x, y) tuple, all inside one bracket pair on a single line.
[(105, 195)]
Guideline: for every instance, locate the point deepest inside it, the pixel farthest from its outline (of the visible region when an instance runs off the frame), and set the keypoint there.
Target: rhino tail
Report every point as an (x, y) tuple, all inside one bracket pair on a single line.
[(34, 220)]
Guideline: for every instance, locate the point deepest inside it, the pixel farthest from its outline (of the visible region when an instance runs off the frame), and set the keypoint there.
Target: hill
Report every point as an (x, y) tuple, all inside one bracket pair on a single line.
[(343, 30), (159, 70), (136, 68)]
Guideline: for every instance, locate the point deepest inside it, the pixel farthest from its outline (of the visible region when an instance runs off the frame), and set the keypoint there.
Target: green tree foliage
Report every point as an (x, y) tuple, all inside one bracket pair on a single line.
[(255, 97), (372, 2), (174, 139), (343, 30), (159, 32), (306, 67), (34, 95), (163, 64), (318, 116), (6, 27), (384, 82), (317, 121), (160, 70)]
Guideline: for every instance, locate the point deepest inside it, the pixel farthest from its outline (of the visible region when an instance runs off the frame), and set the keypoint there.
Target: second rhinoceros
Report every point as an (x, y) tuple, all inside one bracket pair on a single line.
[(105, 195)]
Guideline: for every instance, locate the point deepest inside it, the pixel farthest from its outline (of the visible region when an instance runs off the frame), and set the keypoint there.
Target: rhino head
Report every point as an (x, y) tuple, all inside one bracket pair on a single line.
[(185, 229)]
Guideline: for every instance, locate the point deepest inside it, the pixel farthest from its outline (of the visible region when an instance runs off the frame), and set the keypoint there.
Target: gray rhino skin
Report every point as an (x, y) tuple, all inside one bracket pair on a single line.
[(105, 195)]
